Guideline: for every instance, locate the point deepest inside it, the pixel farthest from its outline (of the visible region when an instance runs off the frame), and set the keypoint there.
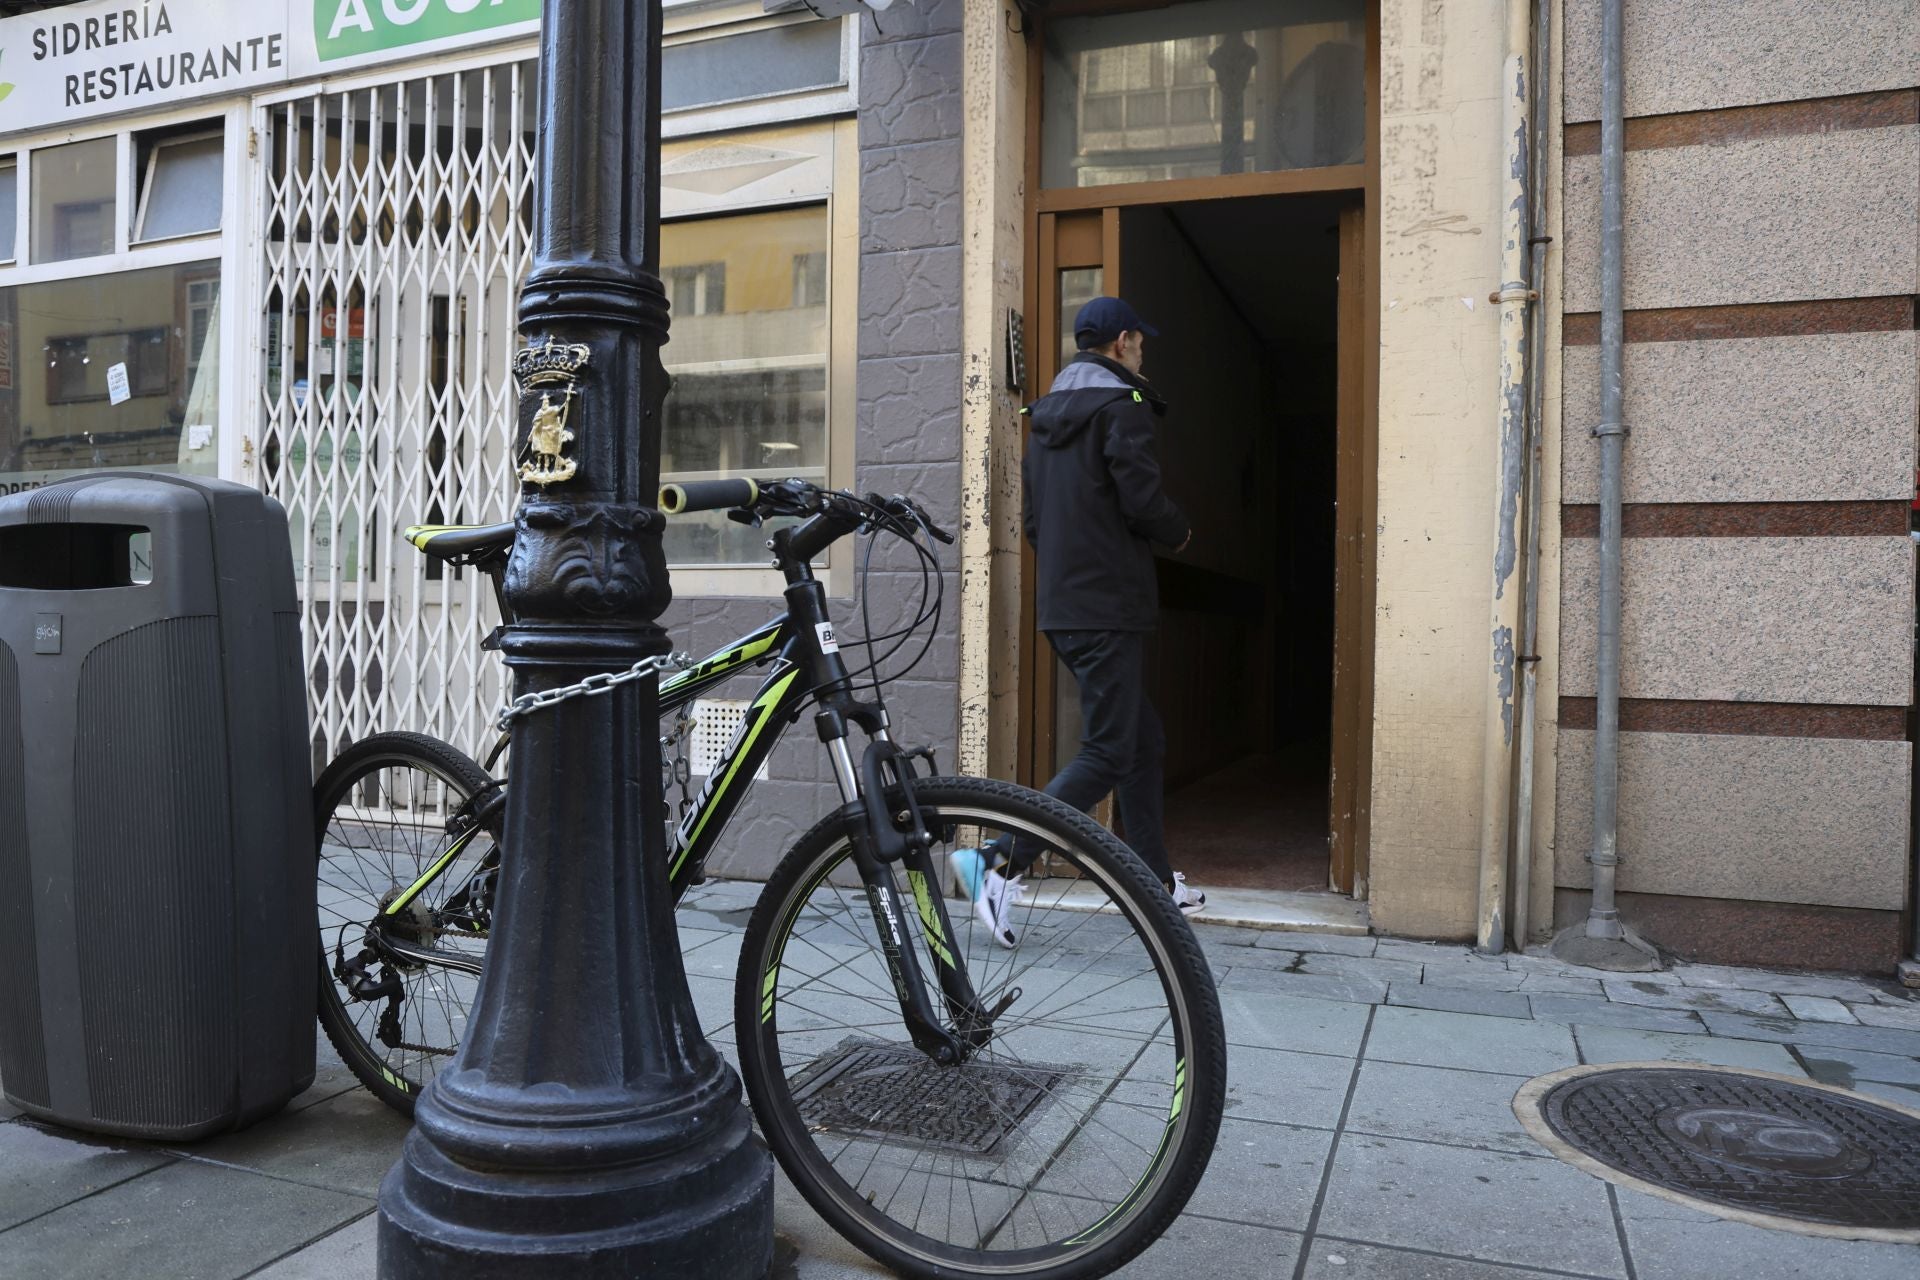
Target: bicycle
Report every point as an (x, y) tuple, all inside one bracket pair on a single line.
[(949, 1106)]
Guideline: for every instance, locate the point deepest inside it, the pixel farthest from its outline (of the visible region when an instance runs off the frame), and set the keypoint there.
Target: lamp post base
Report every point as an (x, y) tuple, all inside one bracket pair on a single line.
[(705, 1210)]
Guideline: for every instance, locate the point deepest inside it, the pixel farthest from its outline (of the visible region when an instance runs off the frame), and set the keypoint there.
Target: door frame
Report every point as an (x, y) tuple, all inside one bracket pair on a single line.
[(1052, 212)]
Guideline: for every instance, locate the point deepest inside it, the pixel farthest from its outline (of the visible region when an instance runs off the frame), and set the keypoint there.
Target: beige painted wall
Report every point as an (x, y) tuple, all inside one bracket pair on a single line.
[(994, 209), (1439, 174)]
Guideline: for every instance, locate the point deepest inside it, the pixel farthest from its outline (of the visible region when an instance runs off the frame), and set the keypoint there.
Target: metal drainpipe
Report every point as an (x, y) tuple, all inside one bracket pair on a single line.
[(1496, 761), (1603, 941), (1529, 655)]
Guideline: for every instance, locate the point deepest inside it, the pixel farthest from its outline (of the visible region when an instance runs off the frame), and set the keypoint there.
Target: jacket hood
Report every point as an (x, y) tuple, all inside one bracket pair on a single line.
[(1080, 391)]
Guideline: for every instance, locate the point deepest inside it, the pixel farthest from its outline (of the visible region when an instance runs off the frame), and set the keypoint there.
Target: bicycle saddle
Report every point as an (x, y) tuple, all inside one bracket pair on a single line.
[(461, 543)]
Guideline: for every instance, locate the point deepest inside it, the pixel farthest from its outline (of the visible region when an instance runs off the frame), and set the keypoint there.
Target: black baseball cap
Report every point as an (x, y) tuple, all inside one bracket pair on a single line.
[(1104, 319)]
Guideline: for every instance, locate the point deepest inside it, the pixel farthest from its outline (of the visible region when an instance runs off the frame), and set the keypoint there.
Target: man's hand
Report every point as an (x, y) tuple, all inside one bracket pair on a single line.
[(1184, 542)]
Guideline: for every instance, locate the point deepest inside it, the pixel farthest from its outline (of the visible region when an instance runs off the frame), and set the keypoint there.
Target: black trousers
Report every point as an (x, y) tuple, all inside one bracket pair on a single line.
[(1122, 745)]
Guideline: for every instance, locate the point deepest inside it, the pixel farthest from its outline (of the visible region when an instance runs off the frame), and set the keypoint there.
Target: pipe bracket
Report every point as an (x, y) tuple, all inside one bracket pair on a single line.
[(1611, 429), (1513, 295)]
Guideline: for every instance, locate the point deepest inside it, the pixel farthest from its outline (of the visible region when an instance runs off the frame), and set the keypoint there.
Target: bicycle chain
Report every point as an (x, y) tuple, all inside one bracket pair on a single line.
[(593, 686)]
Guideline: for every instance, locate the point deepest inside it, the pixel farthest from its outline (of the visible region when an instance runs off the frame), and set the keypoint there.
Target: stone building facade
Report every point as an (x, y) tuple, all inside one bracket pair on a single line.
[(878, 227)]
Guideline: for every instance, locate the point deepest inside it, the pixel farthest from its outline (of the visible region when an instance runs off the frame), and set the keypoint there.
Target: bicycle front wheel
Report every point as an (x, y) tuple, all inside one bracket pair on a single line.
[(405, 876), (1065, 1145)]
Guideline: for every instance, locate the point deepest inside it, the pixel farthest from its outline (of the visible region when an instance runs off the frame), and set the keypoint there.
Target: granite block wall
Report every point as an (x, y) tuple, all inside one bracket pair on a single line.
[(1707, 54), (1772, 258), (906, 424)]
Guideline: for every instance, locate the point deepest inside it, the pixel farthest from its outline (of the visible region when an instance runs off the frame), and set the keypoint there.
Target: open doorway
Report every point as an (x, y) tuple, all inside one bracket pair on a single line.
[(1246, 294)]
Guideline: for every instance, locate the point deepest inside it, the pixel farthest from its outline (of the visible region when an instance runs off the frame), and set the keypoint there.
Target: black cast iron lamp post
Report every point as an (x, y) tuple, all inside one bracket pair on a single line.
[(586, 1129)]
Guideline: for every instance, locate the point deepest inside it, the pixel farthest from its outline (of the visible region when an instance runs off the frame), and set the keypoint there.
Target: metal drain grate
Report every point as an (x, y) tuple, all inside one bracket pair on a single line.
[(867, 1089), (1758, 1144)]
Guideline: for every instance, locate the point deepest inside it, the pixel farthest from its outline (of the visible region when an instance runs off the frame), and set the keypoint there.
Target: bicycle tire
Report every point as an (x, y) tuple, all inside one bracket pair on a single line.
[(395, 1078), (765, 994)]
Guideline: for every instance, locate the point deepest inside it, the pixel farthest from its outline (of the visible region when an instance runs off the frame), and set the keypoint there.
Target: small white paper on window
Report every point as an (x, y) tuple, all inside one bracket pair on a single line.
[(117, 391), (199, 436), (323, 361)]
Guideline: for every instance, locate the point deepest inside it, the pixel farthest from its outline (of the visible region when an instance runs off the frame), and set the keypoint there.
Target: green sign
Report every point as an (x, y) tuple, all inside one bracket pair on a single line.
[(348, 28)]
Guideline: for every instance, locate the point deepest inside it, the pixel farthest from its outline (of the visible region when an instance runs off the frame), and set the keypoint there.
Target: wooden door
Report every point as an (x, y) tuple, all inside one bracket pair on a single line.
[(1352, 621), (1079, 259)]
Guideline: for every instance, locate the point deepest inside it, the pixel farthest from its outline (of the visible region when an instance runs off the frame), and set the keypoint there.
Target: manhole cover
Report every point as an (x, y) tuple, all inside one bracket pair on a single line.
[(864, 1088), (1769, 1148)]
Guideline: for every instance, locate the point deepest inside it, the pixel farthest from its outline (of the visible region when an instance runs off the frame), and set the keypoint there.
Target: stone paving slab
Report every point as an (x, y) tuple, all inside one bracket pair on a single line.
[(1666, 996), (1585, 1009), (1265, 1175), (1817, 1009), (1618, 1044), (186, 1218), (1785, 1030), (1330, 943), (1464, 977), (1905, 1017), (346, 1254), (1336, 1259), (1498, 1207), (1305, 985), (42, 1169), (1799, 984), (1498, 1004), (1848, 1067), (1435, 1104), (1474, 1042), (1282, 1087), (346, 1143), (1276, 1021), (1672, 1242)]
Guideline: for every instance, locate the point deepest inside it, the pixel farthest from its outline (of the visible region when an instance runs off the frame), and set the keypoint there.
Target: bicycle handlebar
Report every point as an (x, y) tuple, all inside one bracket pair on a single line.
[(707, 495), (795, 497)]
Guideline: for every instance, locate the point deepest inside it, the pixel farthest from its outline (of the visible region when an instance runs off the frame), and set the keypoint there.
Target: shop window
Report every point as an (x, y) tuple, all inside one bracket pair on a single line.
[(73, 200), (750, 370), (791, 58), (61, 407), (9, 210), (181, 188), (1204, 89)]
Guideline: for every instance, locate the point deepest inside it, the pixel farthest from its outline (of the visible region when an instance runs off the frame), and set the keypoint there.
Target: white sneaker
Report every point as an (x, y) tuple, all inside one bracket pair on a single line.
[(1190, 901), (994, 895)]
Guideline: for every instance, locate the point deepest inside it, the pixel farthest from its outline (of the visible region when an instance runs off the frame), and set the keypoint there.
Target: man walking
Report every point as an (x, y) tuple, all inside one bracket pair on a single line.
[(1094, 510)]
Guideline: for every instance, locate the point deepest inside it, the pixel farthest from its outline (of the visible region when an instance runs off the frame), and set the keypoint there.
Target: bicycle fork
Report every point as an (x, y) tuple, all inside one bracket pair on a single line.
[(880, 836)]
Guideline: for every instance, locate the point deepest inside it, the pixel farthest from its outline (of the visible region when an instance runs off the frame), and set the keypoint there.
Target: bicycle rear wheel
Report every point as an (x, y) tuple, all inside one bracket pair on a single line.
[(1063, 1147), (390, 811)]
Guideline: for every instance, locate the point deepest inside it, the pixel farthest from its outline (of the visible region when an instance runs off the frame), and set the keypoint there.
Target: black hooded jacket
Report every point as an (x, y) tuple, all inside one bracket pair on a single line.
[(1094, 504)]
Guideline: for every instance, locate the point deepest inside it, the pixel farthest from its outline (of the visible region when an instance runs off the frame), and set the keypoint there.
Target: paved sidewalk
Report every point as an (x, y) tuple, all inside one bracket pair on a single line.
[(1368, 1134)]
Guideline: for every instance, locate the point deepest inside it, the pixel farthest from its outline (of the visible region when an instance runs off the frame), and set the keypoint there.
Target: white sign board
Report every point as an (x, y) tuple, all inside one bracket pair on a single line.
[(84, 60), (106, 57)]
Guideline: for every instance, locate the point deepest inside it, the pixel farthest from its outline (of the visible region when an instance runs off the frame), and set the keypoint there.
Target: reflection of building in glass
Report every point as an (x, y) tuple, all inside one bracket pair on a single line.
[(748, 355), (1213, 88), (102, 369)]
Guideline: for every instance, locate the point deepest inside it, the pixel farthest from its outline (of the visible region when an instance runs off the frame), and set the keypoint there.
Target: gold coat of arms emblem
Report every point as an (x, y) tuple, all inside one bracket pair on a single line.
[(551, 369)]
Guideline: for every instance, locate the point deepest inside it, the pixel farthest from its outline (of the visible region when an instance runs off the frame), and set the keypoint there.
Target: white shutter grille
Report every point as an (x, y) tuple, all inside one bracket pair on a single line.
[(395, 232)]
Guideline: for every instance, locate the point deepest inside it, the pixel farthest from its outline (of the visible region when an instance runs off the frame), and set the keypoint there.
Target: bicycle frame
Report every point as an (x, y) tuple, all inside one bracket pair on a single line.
[(806, 666)]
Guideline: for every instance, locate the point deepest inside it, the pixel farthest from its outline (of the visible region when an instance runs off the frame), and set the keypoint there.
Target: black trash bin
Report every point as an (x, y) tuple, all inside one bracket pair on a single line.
[(157, 964)]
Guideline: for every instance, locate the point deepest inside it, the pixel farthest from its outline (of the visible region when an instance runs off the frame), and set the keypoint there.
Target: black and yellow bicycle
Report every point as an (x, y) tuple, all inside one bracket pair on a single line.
[(952, 1106)]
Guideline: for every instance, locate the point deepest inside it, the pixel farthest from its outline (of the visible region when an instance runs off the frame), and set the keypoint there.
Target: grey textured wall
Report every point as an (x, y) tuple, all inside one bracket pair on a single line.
[(907, 424)]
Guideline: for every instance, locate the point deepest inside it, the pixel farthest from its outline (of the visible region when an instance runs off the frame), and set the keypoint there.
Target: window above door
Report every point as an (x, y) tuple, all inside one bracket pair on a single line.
[(1202, 90)]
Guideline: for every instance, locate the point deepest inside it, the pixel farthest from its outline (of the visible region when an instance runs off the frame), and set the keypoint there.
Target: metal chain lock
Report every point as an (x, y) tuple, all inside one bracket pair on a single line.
[(600, 682)]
